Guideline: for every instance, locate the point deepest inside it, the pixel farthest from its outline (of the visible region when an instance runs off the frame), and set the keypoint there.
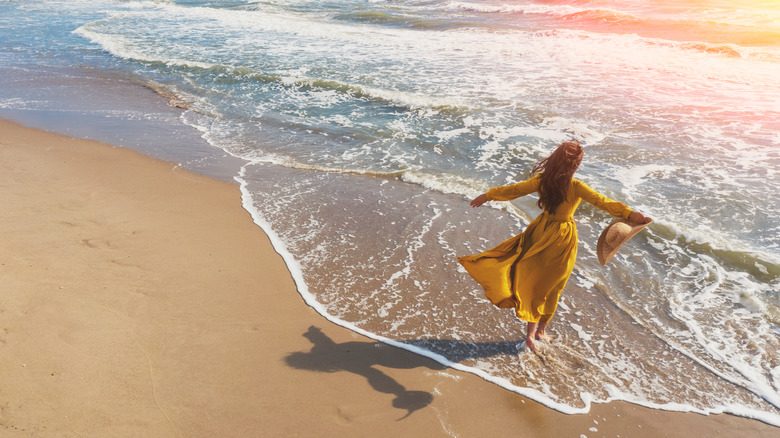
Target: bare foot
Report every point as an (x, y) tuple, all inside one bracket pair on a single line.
[(530, 343), (541, 336)]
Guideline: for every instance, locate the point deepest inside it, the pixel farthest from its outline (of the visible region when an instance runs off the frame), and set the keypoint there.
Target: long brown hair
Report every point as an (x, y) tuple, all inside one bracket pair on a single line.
[(557, 170)]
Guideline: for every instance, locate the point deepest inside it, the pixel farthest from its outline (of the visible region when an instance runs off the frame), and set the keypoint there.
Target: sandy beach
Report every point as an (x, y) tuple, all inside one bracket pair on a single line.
[(141, 300)]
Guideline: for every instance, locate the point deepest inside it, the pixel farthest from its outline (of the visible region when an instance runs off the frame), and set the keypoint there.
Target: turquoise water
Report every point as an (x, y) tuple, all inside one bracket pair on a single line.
[(364, 127)]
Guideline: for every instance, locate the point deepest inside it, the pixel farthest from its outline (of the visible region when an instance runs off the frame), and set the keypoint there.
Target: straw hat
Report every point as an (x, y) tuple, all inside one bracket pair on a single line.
[(614, 236)]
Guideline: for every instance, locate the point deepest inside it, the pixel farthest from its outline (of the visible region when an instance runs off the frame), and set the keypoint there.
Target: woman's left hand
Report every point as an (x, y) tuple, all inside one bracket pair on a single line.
[(638, 218), (479, 200)]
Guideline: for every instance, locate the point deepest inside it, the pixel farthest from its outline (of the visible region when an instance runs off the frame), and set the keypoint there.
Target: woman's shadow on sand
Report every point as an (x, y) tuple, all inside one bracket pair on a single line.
[(361, 358)]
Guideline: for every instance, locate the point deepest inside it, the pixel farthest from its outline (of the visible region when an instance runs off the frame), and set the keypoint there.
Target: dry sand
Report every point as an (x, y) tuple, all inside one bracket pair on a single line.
[(141, 300)]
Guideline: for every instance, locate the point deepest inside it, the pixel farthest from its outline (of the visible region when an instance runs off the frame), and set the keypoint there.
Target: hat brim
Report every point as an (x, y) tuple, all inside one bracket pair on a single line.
[(604, 252)]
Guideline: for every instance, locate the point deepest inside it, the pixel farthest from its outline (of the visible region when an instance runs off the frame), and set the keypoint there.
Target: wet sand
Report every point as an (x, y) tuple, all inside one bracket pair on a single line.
[(141, 300)]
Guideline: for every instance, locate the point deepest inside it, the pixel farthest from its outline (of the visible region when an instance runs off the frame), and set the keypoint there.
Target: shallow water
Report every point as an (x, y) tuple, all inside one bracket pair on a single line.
[(367, 126)]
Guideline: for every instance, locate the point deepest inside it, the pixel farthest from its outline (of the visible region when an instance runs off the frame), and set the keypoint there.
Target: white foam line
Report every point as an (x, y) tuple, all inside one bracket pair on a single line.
[(121, 48), (303, 289)]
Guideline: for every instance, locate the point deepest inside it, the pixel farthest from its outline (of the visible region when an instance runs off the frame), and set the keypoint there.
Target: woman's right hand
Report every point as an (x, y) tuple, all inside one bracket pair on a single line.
[(479, 200)]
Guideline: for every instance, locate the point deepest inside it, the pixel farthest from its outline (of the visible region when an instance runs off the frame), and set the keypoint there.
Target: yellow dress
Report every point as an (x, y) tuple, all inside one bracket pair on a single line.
[(534, 266)]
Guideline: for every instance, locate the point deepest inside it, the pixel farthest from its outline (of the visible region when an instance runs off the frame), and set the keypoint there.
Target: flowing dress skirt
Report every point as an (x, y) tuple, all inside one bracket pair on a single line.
[(532, 267)]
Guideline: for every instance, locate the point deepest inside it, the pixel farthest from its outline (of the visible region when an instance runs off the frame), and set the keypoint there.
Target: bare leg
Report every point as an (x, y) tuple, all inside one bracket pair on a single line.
[(529, 339), (540, 334)]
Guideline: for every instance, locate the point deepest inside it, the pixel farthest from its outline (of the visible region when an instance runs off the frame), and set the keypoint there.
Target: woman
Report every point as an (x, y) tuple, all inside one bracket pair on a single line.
[(529, 271)]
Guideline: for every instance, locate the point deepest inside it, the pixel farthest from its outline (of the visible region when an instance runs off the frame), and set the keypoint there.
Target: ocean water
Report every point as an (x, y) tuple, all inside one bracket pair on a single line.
[(363, 128)]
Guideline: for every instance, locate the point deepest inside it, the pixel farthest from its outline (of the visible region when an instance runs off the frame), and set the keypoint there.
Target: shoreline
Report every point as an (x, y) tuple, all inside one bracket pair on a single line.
[(142, 299)]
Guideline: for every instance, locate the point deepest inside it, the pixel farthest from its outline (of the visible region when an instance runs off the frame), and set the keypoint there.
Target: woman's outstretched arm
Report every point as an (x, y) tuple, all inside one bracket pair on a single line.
[(507, 193), (611, 206)]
